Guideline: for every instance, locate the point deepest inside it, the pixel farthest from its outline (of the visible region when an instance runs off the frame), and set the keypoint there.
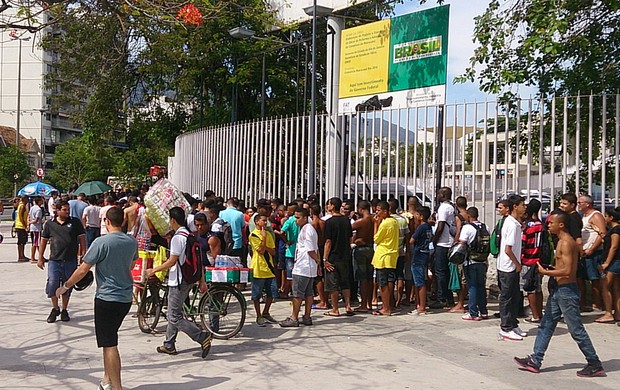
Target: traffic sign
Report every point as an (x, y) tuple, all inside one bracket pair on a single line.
[(40, 172)]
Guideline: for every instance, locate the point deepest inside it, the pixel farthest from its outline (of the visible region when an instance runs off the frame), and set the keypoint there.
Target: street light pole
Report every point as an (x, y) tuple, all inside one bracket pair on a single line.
[(312, 130), (13, 35)]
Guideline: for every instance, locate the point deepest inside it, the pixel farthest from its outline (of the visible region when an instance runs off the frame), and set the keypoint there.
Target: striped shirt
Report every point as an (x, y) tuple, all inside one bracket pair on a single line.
[(532, 242)]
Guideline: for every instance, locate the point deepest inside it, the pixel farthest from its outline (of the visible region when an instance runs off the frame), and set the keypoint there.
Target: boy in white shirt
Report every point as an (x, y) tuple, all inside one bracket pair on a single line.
[(304, 271)]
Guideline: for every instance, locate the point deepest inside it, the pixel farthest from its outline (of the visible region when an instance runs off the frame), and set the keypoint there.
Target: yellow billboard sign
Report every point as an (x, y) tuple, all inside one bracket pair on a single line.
[(365, 54)]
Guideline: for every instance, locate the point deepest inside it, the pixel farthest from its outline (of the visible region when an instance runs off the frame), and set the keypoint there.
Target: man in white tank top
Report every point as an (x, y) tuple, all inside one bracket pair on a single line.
[(592, 234)]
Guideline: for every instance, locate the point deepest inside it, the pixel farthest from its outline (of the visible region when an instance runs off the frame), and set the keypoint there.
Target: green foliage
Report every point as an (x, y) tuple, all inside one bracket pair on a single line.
[(560, 46), (13, 162), (80, 160)]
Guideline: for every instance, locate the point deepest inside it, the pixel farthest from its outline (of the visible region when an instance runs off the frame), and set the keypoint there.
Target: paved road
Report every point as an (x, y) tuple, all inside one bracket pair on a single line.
[(439, 351)]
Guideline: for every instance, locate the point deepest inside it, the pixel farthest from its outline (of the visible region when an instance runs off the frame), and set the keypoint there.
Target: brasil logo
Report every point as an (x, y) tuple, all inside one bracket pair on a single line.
[(415, 50)]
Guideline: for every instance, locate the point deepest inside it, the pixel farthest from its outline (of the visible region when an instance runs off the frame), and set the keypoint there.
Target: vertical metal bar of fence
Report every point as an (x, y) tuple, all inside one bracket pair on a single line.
[(552, 150), (462, 149), (541, 144), (372, 156), (352, 176), (415, 175), (474, 156), (297, 150), (389, 152), (380, 167), (578, 146), (365, 169), (256, 163), (424, 154), (617, 155), (485, 162), (517, 162), (406, 166), (397, 149), (288, 161), (279, 150), (565, 146), (590, 140), (528, 179), (603, 153), (348, 162), (453, 151), (495, 149), (507, 151), (245, 152), (305, 158)]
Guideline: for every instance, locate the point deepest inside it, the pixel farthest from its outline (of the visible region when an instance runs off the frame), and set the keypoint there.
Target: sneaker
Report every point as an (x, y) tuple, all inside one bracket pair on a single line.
[(64, 316), (269, 318), (484, 316), (468, 317), (206, 345), (260, 321), (591, 371), (510, 335), (527, 363), (53, 315), (532, 320), (166, 350), (306, 321), (289, 323), (105, 386), (520, 332)]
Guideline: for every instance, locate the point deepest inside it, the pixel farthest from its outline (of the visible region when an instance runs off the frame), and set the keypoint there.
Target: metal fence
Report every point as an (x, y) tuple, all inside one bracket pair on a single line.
[(482, 150)]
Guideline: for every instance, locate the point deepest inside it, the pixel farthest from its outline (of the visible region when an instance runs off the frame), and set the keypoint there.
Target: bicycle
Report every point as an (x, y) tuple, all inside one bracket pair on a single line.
[(221, 310)]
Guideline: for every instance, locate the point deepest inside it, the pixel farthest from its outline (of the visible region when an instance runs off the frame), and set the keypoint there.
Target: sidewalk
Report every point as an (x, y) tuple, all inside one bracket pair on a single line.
[(438, 351)]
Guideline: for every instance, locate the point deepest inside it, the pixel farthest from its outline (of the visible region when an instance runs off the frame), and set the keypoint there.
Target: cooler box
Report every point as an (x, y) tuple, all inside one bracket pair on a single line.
[(145, 261), (228, 275)]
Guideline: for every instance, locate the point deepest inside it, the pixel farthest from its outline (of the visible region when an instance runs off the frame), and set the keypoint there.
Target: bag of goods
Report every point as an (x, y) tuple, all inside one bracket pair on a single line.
[(163, 196)]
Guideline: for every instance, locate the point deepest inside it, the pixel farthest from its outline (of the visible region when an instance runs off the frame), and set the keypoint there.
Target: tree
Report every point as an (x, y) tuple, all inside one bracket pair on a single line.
[(78, 161), (561, 47), (13, 162)]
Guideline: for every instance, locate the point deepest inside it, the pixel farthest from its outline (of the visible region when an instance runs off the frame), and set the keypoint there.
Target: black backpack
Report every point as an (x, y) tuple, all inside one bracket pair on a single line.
[(226, 236), (191, 269), (481, 246), (547, 250)]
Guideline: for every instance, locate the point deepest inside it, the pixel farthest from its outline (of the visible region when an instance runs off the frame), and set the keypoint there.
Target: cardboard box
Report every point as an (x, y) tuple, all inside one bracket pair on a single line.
[(228, 275)]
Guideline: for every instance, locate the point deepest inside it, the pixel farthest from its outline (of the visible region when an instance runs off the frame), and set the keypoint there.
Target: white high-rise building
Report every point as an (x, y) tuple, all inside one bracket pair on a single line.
[(32, 104)]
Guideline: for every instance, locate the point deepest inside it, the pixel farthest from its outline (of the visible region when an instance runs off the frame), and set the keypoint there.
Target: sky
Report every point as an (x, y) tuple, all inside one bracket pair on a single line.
[(460, 45)]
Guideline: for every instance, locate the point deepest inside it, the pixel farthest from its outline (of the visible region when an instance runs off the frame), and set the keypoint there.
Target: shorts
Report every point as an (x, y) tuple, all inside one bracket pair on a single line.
[(22, 236), (339, 278), (400, 268), (614, 267), (58, 272), (303, 286), (260, 285), (537, 282), (407, 270), (108, 319), (34, 237), (362, 263), (419, 269), (290, 263), (587, 267), (385, 276)]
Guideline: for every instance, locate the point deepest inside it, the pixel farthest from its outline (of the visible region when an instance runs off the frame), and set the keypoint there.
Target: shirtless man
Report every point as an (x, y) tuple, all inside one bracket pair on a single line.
[(563, 301), (592, 233), (362, 254), (319, 225), (129, 220)]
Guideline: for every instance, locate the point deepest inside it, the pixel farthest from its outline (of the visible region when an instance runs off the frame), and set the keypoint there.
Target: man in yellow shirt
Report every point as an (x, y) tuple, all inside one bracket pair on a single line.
[(21, 223), (386, 255), (263, 269)]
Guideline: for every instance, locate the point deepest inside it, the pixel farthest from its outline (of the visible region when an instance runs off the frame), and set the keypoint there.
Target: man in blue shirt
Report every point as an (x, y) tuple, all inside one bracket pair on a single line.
[(114, 256), (77, 206), (234, 217)]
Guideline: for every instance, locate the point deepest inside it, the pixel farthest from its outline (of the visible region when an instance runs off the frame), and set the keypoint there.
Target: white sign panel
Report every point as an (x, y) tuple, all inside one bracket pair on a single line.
[(292, 11)]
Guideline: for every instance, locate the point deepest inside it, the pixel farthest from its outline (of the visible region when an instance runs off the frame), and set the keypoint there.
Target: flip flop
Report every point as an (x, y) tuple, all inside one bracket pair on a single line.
[(358, 310), (350, 313), (315, 307), (331, 314), (378, 313), (605, 321)]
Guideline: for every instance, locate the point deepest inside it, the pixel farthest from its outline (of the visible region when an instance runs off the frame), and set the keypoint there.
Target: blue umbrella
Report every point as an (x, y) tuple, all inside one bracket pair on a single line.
[(36, 188)]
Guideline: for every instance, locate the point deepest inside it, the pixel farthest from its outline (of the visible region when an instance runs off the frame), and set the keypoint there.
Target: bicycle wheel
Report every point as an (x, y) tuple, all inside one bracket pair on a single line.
[(222, 311), (150, 309)]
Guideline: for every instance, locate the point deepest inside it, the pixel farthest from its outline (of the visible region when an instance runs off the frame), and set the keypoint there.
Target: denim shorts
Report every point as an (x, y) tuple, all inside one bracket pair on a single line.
[(58, 272), (419, 269), (614, 267), (290, 263), (362, 263), (262, 284), (587, 267)]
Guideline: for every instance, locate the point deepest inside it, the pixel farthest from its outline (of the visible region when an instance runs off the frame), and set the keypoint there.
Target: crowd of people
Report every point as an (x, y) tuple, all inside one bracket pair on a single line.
[(352, 258)]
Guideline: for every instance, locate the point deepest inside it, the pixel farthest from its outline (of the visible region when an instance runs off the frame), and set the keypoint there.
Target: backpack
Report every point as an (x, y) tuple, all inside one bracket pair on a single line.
[(191, 269), (480, 247), (452, 223), (226, 236), (547, 250), (496, 238)]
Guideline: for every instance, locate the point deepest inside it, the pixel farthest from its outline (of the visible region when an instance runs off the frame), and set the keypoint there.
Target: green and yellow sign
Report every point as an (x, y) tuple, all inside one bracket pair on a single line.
[(402, 60)]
